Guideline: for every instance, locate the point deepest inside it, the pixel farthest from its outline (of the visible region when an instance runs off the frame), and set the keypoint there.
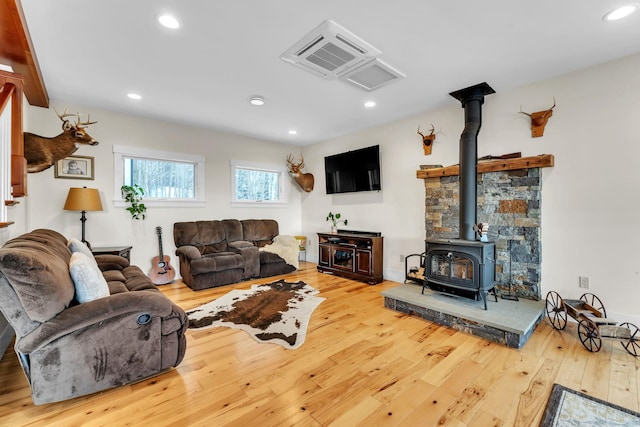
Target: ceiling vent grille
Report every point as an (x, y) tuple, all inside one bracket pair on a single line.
[(330, 51), (373, 75)]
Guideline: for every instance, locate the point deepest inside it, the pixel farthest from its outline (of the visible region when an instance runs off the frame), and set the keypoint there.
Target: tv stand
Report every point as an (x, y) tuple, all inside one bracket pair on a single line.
[(355, 255)]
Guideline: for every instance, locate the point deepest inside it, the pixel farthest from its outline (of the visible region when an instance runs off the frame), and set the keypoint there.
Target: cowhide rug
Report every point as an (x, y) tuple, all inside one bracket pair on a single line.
[(277, 312)]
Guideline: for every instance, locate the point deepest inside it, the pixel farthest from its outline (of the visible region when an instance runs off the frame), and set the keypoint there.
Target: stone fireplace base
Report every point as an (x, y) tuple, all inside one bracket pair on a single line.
[(506, 322)]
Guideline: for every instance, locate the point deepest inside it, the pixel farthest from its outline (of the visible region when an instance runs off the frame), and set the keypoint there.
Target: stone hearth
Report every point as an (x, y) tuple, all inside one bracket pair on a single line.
[(509, 323)]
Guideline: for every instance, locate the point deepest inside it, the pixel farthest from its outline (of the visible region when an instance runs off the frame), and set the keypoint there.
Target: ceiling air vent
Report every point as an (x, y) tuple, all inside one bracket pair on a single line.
[(330, 51), (373, 75)]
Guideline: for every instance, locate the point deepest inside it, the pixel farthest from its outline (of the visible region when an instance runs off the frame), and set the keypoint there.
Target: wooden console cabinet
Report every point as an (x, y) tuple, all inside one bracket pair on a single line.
[(355, 255)]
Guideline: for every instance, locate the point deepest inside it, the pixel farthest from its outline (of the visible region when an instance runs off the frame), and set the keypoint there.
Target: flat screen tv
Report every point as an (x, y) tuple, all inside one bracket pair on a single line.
[(357, 170)]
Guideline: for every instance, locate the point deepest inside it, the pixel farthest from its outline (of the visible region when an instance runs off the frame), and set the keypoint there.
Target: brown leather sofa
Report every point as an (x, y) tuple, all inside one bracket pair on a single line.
[(215, 253), (69, 349)]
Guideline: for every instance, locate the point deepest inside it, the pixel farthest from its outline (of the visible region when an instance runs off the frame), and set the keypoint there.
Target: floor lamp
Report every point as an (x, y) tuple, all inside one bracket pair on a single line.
[(83, 199)]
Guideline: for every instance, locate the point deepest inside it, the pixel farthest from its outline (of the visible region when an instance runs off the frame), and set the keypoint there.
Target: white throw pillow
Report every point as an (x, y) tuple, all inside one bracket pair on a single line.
[(76, 245), (89, 282)]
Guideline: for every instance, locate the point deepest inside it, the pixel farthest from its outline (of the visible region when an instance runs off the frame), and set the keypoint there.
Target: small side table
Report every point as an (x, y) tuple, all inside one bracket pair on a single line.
[(302, 247), (123, 251)]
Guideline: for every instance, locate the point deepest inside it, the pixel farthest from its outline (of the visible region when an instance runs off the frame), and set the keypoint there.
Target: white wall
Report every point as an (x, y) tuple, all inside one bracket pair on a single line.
[(590, 199), (114, 226)]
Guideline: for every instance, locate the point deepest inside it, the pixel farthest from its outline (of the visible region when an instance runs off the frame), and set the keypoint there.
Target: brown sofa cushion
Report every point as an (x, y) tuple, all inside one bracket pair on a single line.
[(260, 232), (233, 230), (216, 262), (207, 236), (37, 265)]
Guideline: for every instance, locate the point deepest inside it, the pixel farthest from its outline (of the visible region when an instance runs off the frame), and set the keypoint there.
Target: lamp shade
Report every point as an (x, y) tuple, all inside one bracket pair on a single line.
[(83, 199)]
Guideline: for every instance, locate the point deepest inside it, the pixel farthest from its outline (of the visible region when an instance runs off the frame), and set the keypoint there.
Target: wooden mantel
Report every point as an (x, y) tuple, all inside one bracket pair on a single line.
[(541, 161)]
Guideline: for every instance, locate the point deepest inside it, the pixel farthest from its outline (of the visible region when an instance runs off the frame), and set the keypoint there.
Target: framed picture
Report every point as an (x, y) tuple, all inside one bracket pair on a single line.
[(75, 167)]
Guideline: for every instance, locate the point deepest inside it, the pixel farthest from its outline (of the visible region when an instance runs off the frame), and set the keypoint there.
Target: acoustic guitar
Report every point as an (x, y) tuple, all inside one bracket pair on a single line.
[(161, 270)]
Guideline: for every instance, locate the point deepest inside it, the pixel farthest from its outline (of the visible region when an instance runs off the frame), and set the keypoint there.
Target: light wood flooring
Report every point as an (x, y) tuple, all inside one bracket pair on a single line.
[(361, 364)]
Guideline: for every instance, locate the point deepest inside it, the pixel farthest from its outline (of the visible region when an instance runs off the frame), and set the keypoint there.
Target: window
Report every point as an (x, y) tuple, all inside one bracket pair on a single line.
[(259, 184), (168, 179)]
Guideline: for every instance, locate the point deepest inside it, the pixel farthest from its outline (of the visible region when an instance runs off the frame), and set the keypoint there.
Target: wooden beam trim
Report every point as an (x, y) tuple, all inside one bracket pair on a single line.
[(541, 161), (5, 94), (18, 52), (18, 162)]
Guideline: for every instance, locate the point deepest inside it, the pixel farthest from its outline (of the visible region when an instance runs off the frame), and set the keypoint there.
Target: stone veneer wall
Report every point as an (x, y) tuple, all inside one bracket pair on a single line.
[(510, 202)]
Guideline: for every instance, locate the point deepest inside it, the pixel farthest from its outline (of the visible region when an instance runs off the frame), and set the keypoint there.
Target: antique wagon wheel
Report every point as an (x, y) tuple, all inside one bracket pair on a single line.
[(594, 302), (632, 344), (555, 310), (589, 335)]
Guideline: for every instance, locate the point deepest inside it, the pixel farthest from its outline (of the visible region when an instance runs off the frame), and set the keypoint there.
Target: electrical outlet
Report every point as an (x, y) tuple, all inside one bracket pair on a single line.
[(583, 282)]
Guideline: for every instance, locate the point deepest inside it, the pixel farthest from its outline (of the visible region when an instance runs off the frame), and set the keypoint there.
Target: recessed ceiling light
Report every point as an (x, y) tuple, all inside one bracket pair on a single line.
[(293, 132), (168, 21), (257, 100), (370, 104), (621, 12), (134, 96)]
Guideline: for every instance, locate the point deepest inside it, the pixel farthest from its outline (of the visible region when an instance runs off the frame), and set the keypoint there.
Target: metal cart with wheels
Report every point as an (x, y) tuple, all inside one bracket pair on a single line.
[(593, 324)]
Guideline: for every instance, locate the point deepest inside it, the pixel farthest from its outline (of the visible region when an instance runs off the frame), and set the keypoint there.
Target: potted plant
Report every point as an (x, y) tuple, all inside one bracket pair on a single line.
[(335, 220), (133, 194)]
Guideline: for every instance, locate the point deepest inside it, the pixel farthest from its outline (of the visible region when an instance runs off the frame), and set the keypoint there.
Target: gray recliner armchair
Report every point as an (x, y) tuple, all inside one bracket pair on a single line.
[(69, 349)]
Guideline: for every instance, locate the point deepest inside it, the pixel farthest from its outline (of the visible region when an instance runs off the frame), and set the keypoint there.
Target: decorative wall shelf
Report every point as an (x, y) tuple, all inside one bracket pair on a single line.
[(541, 161)]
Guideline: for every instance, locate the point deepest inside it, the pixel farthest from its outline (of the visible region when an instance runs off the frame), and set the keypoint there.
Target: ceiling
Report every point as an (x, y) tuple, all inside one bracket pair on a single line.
[(94, 53)]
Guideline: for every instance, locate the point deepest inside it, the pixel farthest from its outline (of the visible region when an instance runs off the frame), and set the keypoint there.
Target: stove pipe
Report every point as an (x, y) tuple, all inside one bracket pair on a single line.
[(472, 99)]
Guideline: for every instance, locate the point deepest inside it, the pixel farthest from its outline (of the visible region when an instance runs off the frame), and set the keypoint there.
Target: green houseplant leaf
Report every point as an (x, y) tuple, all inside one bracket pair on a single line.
[(132, 194), (335, 219)]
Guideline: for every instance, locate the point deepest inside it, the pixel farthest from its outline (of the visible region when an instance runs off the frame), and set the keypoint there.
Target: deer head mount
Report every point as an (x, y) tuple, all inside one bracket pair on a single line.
[(427, 140), (304, 180), (539, 120), (42, 152)]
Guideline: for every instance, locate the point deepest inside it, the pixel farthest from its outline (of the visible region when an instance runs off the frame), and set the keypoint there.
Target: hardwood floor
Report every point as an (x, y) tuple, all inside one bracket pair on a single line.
[(361, 364)]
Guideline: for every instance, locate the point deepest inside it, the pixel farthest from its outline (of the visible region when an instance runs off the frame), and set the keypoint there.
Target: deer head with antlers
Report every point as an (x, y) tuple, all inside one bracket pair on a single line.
[(304, 180), (539, 120), (42, 153), (427, 140)]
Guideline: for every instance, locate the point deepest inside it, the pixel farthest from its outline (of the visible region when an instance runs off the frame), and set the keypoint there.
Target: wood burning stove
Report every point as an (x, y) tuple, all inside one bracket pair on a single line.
[(464, 266), (460, 267)]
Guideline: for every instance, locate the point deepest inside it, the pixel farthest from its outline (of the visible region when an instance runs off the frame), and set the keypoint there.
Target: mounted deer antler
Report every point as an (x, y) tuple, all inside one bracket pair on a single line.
[(539, 120), (85, 124), (66, 125), (42, 152), (427, 141), (304, 180)]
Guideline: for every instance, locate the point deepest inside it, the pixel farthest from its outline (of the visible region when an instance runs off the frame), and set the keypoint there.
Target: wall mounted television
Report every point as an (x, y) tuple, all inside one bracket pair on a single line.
[(357, 170)]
